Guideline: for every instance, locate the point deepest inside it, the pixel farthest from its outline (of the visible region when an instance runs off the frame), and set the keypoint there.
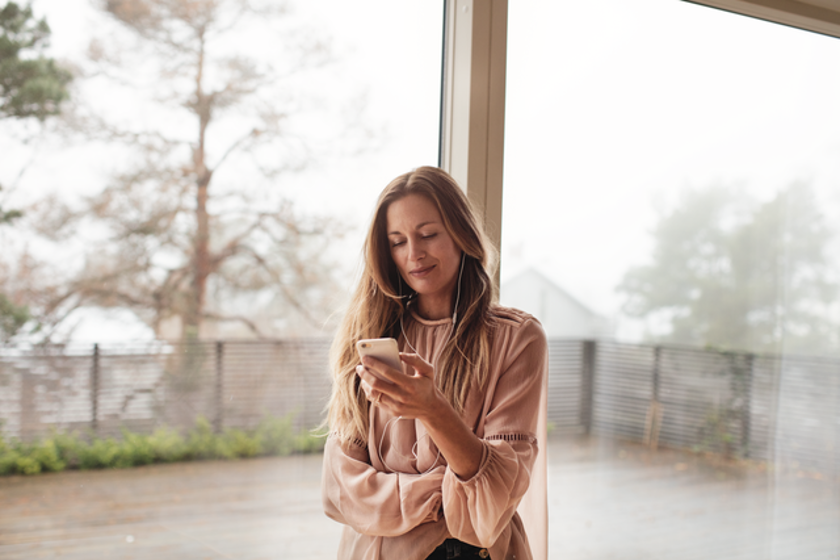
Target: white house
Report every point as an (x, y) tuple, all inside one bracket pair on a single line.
[(560, 313)]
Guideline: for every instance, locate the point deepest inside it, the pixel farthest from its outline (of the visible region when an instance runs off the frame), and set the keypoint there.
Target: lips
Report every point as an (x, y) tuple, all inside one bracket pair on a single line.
[(421, 272)]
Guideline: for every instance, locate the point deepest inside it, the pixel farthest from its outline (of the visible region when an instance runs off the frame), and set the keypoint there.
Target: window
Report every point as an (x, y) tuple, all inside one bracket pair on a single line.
[(374, 113), (670, 212)]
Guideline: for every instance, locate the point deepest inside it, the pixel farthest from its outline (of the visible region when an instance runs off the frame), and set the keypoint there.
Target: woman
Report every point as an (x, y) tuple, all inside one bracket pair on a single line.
[(432, 461)]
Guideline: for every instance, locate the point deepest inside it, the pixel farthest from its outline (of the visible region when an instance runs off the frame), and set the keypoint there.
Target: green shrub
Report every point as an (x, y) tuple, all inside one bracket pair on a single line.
[(9, 461), (19, 458), (202, 442), (70, 448), (100, 454), (63, 450), (134, 450), (168, 445), (236, 443), (47, 456), (310, 442), (27, 465), (276, 435)]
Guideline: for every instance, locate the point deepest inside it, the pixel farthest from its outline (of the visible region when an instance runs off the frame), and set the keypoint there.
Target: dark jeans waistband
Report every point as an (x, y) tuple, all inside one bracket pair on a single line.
[(453, 548)]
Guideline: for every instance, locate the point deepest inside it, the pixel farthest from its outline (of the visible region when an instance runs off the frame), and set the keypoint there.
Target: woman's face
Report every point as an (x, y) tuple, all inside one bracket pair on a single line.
[(425, 254)]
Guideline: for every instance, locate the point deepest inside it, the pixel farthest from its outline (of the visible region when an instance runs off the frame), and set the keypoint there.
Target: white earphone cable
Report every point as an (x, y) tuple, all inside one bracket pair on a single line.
[(434, 366)]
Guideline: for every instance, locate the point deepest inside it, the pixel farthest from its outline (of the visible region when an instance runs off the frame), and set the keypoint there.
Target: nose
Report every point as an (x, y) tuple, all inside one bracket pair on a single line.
[(415, 251)]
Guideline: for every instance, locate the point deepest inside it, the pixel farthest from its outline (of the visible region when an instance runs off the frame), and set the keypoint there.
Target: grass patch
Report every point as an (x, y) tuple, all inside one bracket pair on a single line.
[(62, 450)]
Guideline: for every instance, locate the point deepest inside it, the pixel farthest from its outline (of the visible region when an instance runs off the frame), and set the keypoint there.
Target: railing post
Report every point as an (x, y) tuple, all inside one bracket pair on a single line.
[(587, 387), (653, 418), (218, 421), (746, 423), (94, 390), (657, 357)]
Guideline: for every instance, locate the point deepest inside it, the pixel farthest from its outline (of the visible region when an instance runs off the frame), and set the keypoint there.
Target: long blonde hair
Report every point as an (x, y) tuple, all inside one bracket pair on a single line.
[(377, 304)]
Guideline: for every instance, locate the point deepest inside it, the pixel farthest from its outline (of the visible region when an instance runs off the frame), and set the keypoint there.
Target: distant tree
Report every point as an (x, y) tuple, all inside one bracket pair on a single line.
[(12, 317), (31, 85), (738, 275), (177, 238), (8, 216)]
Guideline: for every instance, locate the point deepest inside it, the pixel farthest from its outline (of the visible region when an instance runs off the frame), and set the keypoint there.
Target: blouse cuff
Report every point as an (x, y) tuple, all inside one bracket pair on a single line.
[(482, 466), (485, 453), (477, 510)]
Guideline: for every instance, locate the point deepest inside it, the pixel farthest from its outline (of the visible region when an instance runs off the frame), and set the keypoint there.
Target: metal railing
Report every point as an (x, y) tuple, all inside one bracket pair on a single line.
[(782, 409), (140, 387), (774, 408)]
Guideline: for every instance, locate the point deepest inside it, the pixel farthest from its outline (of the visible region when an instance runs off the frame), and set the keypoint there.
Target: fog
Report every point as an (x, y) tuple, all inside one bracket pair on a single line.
[(612, 109)]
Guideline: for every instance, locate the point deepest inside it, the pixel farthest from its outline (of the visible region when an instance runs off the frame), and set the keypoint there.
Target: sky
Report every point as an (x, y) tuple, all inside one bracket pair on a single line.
[(612, 107), (389, 57)]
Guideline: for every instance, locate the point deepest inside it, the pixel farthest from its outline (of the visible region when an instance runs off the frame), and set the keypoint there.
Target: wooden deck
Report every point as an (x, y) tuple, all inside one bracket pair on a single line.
[(607, 500)]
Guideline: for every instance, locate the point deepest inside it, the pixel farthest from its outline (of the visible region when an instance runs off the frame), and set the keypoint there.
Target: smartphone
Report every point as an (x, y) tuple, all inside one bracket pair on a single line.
[(383, 349)]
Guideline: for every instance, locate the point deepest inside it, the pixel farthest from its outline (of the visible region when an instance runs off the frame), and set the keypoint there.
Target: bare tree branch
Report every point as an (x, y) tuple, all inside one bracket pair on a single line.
[(236, 145), (172, 233), (236, 318)]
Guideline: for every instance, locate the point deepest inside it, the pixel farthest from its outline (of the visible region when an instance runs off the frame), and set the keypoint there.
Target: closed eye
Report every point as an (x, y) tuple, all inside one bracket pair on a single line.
[(429, 236)]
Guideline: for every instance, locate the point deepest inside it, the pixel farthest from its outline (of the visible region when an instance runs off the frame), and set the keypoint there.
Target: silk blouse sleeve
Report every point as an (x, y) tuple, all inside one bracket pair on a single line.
[(478, 510), (373, 502)]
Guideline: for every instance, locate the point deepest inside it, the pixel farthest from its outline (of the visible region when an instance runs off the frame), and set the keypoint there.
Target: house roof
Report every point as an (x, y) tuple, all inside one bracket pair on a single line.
[(542, 279)]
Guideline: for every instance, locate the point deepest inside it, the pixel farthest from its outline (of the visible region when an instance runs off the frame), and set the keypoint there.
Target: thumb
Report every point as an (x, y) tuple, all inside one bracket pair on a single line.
[(421, 366)]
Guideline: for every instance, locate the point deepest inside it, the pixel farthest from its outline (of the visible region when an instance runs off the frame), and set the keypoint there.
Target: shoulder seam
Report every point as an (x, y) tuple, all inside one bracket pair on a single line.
[(513, 317)]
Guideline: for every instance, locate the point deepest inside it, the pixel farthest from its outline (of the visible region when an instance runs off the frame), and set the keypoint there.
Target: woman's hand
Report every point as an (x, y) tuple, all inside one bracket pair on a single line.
[(412, 395), (415, 395)]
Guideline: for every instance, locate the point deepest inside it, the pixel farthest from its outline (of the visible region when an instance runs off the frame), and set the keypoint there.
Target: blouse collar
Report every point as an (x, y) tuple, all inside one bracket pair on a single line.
[(429, 322)]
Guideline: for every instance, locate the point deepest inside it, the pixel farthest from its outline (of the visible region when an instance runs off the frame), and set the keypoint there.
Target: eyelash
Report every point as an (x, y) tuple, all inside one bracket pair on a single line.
[(398, 243)]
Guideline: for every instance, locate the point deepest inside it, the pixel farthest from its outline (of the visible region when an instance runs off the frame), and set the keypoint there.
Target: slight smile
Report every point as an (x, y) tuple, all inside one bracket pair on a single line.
[(421, 272)]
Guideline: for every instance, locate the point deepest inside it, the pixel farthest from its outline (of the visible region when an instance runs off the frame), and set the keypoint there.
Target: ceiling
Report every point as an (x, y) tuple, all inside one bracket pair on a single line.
[(820, 16)]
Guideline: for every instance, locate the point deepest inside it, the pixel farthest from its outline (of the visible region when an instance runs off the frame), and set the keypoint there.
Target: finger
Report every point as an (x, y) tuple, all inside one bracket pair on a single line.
[(421, 366), (383, 370), (375, 384), (360, 372)]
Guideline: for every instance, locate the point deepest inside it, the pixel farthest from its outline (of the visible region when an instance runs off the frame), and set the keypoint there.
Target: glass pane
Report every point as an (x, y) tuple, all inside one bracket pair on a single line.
[(357, 103), (670, 215), (353, 92)]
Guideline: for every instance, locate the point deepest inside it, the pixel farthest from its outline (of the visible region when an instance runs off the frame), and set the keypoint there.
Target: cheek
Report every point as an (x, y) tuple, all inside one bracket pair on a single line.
[(452, 252), (396, 257)]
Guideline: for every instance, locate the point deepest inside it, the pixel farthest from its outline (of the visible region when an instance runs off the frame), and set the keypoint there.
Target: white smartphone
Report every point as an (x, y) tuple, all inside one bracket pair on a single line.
[(383, 349)]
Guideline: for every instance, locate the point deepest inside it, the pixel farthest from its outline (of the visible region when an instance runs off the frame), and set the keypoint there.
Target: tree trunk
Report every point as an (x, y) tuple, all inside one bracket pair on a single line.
[(201, 250)]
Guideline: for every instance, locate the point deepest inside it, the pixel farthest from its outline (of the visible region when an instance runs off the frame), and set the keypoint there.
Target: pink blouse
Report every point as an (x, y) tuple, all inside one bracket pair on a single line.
[(396, 496)]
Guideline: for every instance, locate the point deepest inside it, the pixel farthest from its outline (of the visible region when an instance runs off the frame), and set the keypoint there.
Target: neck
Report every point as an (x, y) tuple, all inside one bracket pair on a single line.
[(434, 308)]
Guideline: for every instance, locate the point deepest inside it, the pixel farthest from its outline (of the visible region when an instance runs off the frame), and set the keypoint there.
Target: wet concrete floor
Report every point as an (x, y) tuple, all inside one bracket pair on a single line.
[(607, 500)]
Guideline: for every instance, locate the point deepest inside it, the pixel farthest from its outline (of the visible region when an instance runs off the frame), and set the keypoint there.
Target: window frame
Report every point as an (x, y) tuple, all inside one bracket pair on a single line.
[(810, 15), (473, 104)]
